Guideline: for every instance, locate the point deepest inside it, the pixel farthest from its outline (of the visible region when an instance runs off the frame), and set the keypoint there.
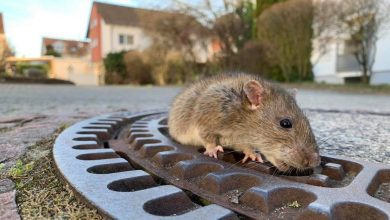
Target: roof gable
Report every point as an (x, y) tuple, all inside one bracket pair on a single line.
[(1, 24), (143, 18), (128, 16)]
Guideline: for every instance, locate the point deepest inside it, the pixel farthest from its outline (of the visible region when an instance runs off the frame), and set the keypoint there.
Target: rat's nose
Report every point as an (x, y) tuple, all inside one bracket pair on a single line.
[(305, 162), (314, 160)]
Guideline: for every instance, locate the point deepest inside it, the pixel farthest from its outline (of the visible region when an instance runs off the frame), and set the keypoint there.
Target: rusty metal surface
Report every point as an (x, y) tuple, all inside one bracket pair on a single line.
[(118, 145)]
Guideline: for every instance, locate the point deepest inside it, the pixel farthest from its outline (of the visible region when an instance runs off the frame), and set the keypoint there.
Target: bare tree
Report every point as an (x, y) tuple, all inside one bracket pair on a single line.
[(230, 22), (361, 22), (174, 32)]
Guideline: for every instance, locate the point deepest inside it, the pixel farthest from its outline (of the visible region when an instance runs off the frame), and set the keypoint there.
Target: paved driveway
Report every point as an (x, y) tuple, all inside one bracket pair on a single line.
[(20, 100)]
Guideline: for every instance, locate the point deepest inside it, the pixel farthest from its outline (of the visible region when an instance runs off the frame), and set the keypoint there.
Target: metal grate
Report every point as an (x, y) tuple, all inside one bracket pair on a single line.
[(105, 159)]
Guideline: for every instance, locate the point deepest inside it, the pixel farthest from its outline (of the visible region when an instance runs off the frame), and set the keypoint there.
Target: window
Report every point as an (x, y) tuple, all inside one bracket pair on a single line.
[(58, 46), (126, 39), (130, 39), (121, 39)]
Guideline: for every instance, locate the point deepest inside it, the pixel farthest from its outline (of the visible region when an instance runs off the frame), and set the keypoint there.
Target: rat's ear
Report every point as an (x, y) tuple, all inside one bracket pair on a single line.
[(293, 92), (254, 91)]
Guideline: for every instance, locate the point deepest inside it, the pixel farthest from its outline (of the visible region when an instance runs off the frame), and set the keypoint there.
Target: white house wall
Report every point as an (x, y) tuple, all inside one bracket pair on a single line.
[(110, 38), (325, 70), (381, 69), (324, 66)]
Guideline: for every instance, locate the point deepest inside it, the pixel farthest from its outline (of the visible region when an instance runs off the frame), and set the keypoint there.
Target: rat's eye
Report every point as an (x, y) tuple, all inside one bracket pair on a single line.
[(286, 123)]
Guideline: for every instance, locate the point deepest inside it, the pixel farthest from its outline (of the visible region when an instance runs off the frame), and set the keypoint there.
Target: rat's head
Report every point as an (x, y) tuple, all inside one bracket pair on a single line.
[(280, 130)]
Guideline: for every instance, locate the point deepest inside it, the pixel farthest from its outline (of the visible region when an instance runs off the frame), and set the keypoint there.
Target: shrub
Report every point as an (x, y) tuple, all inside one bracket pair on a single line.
[(137, 71), (115, 68), (32, 70)]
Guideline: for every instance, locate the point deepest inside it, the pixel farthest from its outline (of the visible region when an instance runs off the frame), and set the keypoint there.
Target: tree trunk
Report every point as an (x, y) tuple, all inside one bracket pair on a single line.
[(365, 78)]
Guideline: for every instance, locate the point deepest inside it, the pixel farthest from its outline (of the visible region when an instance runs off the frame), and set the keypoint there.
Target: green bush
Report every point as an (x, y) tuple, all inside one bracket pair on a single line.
[(115, 68), (32, 70)]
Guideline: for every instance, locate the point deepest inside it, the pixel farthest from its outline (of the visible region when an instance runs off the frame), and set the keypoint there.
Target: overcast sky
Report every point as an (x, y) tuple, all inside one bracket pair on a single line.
[(27, 21)]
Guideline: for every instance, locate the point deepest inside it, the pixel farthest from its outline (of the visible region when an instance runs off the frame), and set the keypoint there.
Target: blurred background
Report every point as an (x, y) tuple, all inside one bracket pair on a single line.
[(175, 42)]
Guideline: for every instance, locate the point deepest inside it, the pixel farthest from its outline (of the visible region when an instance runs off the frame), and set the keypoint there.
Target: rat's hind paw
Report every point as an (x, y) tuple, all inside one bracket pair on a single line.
[(212, 151), (253, 156)]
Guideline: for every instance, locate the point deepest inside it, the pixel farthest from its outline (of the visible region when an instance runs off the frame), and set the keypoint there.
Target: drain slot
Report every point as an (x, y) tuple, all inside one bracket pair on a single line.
[(97, 156), (380, 186), (106, 144), (132, 184), (357, 211), (110, 168), (172, 205)]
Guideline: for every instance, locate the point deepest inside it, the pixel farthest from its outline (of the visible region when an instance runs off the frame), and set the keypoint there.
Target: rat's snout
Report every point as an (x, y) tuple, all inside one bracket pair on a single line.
[(313, 160)]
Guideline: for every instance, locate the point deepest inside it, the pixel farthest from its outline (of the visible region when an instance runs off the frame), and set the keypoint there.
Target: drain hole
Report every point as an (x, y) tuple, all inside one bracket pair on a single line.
[(139, 126), (187, 170), (138, 130), (380, 186), (106, 144), (310, 214), (356, 211), (97, 156), (169, 158), (164, 131), (87, 147), (132, 184), (110, 120), (92, 138), (97, 127), (102, 135), (140, 123), (103, 123), (222, 183), (110, 168), (134, 135), (175, 204), (289, 200), (151, 150), (139, 142), (163, 121)]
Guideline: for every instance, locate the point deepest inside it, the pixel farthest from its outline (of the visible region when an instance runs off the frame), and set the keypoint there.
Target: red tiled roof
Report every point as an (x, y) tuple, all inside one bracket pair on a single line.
[(71, 47)]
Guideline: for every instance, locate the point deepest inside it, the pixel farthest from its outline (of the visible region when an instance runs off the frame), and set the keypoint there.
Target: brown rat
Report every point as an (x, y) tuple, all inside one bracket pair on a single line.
[(246, 113)]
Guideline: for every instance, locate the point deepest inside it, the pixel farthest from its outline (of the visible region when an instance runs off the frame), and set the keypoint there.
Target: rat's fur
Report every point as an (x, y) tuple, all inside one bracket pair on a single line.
[(217, 111)]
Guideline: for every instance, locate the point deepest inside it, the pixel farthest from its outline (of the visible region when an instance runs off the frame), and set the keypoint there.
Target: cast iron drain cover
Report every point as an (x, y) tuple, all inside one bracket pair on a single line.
[(128, 167)]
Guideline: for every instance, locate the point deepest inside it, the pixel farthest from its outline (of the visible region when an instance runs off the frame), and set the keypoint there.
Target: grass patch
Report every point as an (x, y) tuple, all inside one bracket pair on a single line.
[(40, 192)]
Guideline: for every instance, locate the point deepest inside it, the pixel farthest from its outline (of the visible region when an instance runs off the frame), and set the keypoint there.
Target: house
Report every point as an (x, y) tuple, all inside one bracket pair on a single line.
[(65, 48), (338, 65), (4, 48), (2, 32), (114, 28), (71, 60), (60, 59)]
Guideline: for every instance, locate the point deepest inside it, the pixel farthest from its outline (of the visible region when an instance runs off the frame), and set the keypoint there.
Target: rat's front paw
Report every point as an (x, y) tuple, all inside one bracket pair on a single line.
[(212, 151), (253, 156)]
